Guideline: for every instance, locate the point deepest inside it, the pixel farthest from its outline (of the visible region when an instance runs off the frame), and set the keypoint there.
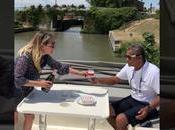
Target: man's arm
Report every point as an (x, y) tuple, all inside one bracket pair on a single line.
[(143, 112), (155, 102), (106, 80)]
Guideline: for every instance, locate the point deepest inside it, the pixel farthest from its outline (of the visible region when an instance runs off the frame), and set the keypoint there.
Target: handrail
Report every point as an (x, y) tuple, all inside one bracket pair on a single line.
[(94, 63), (102, 69)]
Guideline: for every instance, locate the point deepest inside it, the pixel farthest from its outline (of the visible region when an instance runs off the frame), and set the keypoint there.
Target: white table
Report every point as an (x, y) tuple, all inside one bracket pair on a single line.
[(61, 100)]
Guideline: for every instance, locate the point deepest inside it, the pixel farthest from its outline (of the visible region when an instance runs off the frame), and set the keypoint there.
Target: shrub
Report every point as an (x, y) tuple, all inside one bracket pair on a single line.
[(152, 52), (106, 19), (18, 24)]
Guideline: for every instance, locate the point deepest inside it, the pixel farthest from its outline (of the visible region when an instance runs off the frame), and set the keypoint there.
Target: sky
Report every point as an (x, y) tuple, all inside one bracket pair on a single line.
[(155, 3), (24, 3)]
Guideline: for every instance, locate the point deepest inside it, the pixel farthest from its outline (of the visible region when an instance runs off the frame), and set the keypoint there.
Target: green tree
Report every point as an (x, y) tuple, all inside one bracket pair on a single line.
[(81, 6), (113, 3), (52, 12), (73, 6), (98, 3), (32, 16), (64, 6), (21, 16), (112, 18), (55, 6), (152, 52), (47, 7), (35, 15)]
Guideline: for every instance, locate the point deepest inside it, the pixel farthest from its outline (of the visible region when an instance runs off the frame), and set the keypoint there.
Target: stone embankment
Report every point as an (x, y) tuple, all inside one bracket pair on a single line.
[(134, 32), (18, 30)]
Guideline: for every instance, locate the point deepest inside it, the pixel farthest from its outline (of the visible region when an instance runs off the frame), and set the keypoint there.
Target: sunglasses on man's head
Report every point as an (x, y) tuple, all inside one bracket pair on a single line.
[(131, 56)]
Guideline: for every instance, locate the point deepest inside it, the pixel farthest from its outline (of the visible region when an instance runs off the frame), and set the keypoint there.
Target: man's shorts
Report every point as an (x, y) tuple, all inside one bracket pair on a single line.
[(130, 107)]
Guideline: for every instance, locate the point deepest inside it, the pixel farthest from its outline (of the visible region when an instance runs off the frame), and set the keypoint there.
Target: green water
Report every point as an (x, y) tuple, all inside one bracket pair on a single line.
[(73, 45)]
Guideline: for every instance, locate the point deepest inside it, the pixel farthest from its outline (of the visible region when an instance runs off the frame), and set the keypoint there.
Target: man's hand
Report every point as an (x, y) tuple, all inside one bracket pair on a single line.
[(142, 113), (94, 80)]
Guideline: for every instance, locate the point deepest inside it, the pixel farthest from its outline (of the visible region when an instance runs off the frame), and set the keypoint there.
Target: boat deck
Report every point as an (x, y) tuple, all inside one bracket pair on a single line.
[(116, 92)]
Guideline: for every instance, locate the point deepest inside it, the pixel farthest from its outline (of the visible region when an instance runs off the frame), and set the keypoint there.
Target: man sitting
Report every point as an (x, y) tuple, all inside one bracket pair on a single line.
[(143, 78)]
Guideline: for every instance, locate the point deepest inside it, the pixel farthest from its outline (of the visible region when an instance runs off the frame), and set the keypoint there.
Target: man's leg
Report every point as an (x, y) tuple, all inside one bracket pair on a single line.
[(118, 107), (112, 116), (121, 122)]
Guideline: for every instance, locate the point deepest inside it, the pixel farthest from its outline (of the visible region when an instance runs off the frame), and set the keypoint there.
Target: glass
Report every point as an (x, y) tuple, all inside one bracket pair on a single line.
[(90, 73)]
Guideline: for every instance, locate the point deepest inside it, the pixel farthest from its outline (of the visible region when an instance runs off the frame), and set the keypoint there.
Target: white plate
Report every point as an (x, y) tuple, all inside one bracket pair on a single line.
[(96, 92), (86, 100), (102, 91)]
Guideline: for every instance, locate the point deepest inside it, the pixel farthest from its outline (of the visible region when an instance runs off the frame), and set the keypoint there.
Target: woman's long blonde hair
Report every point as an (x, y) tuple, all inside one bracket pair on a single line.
[(33, 47)]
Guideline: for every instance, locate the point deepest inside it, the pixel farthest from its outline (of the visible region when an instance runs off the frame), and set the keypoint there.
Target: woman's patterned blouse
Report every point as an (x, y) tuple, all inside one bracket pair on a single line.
[(25, 69)]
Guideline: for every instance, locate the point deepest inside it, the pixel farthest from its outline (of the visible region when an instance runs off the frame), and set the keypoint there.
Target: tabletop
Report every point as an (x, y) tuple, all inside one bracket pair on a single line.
[(62, 100)]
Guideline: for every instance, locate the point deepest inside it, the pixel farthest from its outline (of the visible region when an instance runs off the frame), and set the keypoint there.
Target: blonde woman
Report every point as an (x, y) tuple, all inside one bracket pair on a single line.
[(31, 58)]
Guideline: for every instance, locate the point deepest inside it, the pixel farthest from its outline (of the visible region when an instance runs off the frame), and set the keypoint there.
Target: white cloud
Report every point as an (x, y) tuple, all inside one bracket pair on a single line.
[(25, 3), (22, 3)]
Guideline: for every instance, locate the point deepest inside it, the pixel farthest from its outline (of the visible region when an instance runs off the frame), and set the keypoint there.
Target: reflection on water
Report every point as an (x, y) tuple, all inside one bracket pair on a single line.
[(73, 45)]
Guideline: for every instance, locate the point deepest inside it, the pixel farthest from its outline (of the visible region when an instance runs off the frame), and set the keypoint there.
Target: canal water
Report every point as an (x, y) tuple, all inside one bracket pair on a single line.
[(73, 45)]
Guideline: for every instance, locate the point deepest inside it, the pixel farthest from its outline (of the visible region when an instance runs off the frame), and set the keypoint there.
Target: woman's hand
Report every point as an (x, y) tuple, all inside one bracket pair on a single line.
[(45, 84), (88, 73), (39, 83)]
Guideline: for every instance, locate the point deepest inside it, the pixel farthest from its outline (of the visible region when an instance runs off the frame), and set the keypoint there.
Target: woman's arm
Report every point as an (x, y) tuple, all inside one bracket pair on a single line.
[(61, 68), (21, 67), (77, 72), (38, 83), (20, 70)]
